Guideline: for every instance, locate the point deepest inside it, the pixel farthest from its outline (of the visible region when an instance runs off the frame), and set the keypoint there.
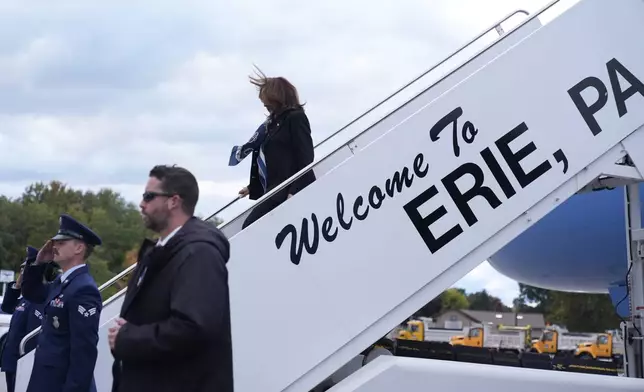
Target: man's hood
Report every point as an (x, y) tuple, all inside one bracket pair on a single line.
[(197, 230)]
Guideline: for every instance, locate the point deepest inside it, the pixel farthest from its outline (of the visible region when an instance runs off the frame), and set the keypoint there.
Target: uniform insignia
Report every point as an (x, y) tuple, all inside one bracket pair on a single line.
[(38, 314), (55, 323), (57, 303), (21, 307), (86, 312)]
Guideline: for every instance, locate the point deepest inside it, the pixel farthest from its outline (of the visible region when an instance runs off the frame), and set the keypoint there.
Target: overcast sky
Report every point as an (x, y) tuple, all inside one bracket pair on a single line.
[(95, 95)]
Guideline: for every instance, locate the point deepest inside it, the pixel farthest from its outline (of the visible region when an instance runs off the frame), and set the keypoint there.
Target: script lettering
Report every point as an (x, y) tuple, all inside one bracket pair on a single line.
[(296, 246), (375, 199), (468, 132)]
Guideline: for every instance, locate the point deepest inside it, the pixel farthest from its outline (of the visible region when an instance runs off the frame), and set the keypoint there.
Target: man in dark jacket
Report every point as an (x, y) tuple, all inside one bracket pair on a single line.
[(174, 330)]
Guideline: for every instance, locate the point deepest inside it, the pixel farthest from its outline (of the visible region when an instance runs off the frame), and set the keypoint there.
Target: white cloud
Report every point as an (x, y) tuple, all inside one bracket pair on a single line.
[(96, 96), (484, 277)]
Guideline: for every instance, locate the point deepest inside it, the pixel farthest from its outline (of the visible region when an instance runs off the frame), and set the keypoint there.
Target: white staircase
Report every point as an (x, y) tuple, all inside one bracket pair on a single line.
[(527, 139)]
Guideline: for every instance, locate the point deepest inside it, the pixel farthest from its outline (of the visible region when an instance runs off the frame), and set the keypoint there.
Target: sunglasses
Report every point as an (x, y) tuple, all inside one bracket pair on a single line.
[(149, 196)]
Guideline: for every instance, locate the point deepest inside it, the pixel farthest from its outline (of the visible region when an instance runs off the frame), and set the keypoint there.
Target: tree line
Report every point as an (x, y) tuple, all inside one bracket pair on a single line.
[(458, 299), (577, 312), (32, 218)]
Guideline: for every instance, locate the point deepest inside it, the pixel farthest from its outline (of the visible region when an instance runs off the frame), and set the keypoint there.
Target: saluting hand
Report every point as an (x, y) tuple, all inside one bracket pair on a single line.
[(46, 253), (112, 332)]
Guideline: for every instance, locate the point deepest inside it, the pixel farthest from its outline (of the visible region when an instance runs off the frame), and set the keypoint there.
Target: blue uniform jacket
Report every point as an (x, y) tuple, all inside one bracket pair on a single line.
[(26, 317), (67, 346)]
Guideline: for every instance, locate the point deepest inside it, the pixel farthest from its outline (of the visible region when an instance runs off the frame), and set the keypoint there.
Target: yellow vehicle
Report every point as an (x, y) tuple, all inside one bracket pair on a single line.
[(474, 338), (414, 330), (554, 340), (419, 331), (508, 338), (607, 347)]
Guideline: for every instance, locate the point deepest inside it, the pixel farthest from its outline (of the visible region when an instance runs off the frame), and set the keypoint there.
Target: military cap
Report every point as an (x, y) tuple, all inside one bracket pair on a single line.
[(70, 228), (32, 253)]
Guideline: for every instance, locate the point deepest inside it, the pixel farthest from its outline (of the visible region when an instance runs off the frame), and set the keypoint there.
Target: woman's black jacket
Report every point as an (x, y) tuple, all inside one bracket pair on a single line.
[(288, 148)]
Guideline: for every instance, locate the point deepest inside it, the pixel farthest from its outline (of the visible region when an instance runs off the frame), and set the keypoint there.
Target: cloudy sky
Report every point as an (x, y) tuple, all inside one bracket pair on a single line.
[(95, 95)]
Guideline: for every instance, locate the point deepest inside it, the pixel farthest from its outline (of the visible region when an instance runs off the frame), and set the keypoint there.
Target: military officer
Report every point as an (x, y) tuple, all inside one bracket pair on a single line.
[(67, 346), (26, 317)]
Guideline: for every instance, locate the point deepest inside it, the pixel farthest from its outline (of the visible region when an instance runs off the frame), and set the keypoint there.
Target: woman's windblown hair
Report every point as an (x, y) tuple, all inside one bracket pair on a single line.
[(276, 93)]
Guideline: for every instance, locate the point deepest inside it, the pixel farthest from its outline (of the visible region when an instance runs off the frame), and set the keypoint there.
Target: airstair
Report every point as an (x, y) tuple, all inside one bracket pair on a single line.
[(434, 188)]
